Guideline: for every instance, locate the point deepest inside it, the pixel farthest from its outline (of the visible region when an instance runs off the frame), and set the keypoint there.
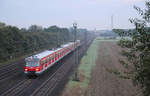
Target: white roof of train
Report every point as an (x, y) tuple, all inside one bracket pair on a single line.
[(43, 54), (48, 52)]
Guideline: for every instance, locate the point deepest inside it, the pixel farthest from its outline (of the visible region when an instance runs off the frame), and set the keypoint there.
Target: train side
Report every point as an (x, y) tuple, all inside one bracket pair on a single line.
[(37, 64)]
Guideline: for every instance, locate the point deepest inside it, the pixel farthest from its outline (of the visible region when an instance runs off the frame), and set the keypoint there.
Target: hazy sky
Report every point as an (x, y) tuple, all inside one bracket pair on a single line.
[(88, 14)]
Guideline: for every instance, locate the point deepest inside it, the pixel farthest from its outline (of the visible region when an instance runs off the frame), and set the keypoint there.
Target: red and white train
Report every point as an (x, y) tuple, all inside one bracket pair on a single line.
[(38, 63)]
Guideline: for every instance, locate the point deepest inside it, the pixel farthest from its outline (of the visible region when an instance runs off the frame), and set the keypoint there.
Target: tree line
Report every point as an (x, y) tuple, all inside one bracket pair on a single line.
[(15, 42)]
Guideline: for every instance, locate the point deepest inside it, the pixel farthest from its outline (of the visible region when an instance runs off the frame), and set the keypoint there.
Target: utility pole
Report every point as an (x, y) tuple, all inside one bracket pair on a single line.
[(58, 38), (112, 22), (75, 53), (85, 37)]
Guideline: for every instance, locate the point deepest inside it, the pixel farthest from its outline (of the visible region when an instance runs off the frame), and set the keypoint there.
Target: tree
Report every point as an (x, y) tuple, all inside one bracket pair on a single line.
[(23, 30), (137, 51), (2, 25), (35, 28)]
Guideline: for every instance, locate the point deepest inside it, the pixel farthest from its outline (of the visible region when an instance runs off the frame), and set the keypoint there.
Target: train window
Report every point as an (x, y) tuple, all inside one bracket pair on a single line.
[(50, 58), (43, 62), (46, 60), (32, 63), (55, 55)]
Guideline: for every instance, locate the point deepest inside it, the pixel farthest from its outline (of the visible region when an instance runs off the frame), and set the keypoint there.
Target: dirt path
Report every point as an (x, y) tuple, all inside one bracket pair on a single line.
[(104, 83)]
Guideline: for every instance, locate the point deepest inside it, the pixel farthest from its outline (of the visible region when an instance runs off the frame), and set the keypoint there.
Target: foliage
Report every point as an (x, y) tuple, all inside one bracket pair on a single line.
[(17, 42), (137, 50), (35, 28), (2, 25)]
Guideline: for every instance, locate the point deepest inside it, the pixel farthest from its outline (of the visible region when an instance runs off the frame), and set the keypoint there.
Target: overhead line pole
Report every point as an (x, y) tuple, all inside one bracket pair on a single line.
[(112, 22), (58, 41), (75, 54)]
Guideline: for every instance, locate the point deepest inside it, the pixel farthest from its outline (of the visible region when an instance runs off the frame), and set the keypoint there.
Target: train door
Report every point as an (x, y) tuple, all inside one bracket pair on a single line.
[(60, 53), (50, 58), (42, 64), (53, 58), (46, 62)]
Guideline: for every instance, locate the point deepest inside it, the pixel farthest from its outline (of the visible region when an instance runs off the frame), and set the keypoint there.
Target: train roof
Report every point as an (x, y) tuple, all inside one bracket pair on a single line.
[(48, 52), (40, 55), (43, 54), (66, 45)]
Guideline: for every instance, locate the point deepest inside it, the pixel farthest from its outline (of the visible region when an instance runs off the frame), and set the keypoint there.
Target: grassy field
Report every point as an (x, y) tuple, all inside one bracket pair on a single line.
[(95, 80), (108, 39)]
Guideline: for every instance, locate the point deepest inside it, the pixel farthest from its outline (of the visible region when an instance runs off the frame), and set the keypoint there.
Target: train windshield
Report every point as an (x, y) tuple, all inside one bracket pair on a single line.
[(32, 63)]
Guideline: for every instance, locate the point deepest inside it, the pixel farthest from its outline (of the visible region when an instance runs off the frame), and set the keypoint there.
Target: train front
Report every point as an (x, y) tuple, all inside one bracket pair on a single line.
[(32, 66)]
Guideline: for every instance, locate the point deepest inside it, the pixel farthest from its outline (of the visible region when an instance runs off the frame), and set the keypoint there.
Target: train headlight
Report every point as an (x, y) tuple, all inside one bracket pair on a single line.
[(37, 69), (25, 69)]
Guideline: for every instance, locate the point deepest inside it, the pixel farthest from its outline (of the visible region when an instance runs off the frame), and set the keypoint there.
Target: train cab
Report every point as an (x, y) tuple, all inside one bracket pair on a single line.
[(32, 66)]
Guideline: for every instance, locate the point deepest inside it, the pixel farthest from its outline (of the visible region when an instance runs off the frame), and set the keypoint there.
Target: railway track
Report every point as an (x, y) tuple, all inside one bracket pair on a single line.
[(48, 85), (9, 66), (18, 89), (10, 72)]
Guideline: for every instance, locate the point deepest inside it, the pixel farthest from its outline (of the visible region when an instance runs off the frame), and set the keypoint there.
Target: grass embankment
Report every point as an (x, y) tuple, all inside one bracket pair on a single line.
[(84, 71)]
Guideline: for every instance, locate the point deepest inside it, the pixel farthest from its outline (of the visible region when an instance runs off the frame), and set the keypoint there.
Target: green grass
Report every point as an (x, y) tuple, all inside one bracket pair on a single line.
[(86, 65), (107, 39)]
